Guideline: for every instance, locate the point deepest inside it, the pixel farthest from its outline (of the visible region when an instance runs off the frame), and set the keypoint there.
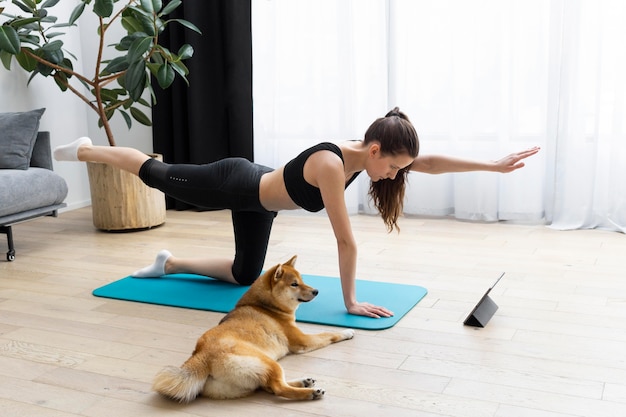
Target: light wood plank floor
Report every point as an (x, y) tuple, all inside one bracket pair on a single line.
[(555, 348)]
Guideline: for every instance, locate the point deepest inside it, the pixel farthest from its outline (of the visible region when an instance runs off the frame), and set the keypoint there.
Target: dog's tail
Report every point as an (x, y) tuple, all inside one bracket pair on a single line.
[(182, 384)]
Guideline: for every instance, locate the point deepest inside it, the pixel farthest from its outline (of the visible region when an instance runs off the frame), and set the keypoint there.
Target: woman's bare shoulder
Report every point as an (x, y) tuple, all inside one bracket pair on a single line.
[(323, 167)]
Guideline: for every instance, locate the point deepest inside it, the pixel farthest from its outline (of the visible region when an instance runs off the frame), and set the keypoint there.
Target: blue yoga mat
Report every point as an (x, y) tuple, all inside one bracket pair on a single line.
[(203, 293)]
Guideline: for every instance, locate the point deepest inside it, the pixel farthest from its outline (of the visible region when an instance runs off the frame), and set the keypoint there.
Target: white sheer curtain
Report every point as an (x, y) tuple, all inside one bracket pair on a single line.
[(588, 151), (319, 74), (479, 79)]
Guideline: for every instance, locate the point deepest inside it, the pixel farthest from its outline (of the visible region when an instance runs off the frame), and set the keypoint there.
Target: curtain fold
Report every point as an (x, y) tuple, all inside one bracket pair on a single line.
[(212, 117)]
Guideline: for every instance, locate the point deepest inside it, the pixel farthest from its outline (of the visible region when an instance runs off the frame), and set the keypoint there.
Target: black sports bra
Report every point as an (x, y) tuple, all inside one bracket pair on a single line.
[(301, 192)]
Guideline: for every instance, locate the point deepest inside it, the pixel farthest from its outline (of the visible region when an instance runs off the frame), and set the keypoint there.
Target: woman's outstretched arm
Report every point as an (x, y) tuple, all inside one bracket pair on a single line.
[(440, 164)]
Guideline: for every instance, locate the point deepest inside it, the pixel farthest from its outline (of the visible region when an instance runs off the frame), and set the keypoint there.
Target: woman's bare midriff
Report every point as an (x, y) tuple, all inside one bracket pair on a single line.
[(273, 193)]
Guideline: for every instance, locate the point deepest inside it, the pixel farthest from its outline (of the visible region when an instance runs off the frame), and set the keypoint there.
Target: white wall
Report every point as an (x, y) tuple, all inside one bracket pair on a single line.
[(66, 116)]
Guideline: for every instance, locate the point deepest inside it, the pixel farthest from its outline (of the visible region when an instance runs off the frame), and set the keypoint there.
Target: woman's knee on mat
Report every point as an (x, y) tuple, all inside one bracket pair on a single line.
[(245, 274)]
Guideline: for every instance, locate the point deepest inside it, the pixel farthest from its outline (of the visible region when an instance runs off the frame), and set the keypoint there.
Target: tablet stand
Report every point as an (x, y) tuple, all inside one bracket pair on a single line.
[(484, 310)]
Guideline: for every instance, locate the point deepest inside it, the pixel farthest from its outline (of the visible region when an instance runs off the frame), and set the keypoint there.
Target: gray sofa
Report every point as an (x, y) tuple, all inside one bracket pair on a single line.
[(30, 193)]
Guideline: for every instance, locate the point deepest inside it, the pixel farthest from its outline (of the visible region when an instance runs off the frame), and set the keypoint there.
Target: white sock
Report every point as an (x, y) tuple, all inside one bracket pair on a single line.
[(156, 269), (69, 152)]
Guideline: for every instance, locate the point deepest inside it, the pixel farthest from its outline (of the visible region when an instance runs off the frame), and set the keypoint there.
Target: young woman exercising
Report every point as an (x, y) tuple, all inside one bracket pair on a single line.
[(314, 180)]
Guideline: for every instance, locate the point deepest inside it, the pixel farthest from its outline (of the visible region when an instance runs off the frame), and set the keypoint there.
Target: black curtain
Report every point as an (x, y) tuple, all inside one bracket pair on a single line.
[(210, 119)]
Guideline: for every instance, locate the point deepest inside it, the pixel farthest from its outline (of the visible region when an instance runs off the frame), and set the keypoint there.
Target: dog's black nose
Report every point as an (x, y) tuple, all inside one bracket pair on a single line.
[(315, 292)]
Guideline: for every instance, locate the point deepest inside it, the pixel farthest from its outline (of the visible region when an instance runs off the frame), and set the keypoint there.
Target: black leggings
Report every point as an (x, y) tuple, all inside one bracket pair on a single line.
[(231, 183)]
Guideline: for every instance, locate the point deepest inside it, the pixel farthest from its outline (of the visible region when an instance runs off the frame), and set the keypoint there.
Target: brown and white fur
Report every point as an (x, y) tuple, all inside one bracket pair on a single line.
[(240, 354)]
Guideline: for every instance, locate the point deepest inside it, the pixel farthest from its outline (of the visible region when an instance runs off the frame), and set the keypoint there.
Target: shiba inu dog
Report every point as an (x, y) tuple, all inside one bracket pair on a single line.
[(240, 354)]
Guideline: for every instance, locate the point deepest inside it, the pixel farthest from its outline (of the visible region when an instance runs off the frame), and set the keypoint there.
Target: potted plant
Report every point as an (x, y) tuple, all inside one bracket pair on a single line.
[(117, 85)]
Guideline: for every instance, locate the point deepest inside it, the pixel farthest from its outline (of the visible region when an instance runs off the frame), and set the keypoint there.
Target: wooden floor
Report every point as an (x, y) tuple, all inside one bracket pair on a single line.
[(556, 347)]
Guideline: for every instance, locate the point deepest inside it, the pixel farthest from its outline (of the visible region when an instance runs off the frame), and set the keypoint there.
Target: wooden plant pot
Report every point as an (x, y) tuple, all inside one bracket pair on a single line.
[(120, 201)]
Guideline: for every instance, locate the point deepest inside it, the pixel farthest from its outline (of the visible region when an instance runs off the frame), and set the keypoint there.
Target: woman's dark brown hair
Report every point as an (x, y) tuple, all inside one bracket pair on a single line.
[(396, 136)]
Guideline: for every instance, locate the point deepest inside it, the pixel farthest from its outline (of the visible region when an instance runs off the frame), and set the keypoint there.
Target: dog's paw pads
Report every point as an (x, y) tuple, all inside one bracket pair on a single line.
[(348, 333), (318, 393), (308, 382)]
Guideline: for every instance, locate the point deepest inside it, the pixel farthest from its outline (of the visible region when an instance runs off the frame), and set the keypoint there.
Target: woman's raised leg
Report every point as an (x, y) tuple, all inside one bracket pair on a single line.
[(82, 149)]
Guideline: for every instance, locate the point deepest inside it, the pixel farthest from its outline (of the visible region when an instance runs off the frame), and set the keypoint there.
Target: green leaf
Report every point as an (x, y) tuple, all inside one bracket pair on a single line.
[(44, 69), (135, 19), (153, 68), (49, 19), (31, 39), (9, 40), (54, 56), (180, 68), (66, 63), (125, 43), (140, 116), (26, 29), (147, 24), (131, 24), (160, 25), (31, 77), (122, 81), (165, 76), (147, 6), (61, 25), (118, 64), (54, 34), (152, 95), (138, 11), (138, 48), (151, 6), (163, 54), (185, 51), (136, 79), (30, 3), (78, 10), (156, 60), (187, 24), (24, 7), (52, 46), (26, 61), (49, 3), (108, 95), (18, 23), (170, 7), (6, 58), (103, 8), (127, 118), (61, 79)]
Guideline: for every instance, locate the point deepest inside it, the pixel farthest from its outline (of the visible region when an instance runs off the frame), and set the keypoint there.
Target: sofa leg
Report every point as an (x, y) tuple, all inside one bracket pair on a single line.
[(9, 232)]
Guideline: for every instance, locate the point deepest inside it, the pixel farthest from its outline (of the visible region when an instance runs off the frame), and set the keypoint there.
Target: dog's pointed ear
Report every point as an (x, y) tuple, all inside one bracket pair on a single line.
[(278, 274), (292, 261)]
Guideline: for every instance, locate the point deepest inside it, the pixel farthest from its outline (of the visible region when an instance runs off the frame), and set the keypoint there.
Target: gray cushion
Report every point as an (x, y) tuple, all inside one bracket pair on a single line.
[(18, 132), (42, 154), (26, 190)]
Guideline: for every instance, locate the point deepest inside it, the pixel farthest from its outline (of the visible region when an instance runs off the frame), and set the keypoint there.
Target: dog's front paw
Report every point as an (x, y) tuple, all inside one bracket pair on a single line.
[(348, 334), (318, 394)]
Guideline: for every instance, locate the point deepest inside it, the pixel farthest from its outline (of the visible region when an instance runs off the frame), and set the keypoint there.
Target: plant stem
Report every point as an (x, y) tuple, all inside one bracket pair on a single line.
[(67, 71), (97, 87), (58, 67), (81, 96)]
